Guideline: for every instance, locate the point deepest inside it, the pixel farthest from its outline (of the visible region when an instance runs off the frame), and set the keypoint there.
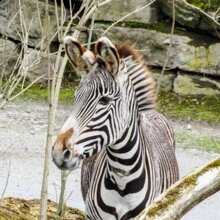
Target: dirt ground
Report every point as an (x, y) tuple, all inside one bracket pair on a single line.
[(23, 126)]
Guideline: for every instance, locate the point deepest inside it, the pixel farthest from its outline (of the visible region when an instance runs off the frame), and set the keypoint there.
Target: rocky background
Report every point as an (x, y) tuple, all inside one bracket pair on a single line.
[(194, 63)]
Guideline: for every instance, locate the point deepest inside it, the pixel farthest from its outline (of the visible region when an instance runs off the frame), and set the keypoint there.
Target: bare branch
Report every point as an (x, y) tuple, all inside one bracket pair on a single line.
[(216, 13), (169, 48), (91, 30), (62, 192), (7, 179), (26, 88)]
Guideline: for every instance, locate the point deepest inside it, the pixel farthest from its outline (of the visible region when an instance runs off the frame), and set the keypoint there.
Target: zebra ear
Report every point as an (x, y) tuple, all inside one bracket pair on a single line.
[(107, 51), (81, 58)]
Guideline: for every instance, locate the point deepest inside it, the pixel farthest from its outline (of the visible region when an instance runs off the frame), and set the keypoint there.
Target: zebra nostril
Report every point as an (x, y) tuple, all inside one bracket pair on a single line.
[(67, 155)]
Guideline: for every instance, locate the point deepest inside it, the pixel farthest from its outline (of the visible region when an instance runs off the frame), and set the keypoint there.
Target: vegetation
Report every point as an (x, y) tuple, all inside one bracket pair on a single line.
[(16, 209), (205, 5), (192, 140), (37, 92), (194, 107)]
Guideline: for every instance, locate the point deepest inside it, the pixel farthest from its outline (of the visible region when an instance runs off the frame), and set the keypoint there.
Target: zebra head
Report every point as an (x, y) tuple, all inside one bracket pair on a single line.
[(102, 103)]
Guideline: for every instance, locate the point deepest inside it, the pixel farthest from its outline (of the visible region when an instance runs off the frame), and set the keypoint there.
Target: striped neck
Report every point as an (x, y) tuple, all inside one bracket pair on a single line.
[(126, 160), (143, 83)]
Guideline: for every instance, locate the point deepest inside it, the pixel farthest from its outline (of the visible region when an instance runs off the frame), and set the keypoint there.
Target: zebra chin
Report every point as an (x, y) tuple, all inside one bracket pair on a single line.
[(70, 165)]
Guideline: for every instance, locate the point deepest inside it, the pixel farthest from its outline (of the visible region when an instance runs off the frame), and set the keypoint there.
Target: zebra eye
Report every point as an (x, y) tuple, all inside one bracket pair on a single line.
[(104, 100)]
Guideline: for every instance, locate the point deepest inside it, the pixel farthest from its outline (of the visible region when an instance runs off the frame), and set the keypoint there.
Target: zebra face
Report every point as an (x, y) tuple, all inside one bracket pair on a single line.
[(101, 108)]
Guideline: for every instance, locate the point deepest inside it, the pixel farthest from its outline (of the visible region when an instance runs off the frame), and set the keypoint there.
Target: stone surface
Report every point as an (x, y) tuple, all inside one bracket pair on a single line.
[(165, 81), (192, 17), (194, 54), (8, 56), (38, 65), (196, 85), (118, 9), (11, 25)]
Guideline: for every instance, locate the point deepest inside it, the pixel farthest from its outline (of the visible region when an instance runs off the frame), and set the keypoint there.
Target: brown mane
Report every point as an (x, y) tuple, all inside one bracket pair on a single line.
[(126, 51)]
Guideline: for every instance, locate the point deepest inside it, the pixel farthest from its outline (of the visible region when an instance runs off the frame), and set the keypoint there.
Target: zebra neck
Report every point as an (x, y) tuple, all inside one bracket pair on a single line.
[(125, 158)]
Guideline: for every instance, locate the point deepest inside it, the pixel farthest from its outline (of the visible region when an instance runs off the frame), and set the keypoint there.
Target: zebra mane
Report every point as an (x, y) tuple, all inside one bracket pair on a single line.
[(141, 78)]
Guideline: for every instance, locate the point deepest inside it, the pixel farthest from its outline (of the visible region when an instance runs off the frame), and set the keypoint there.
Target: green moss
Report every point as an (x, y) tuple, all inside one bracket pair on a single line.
[(37, 92), (200, 108), (215, 164), (165, 27), (196, 63), (196, 107), (171, 196), (162, 27), (191, 140), (205, 5)]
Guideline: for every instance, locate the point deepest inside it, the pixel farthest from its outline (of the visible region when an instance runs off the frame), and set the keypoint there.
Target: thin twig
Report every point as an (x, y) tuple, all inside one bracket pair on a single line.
[(100, 4), (169, 48), (44, 188), (91, 30), (39, 17), (54, 95), (62, 192), (71, 8), (216, 13), (26, 88), (7, 179)]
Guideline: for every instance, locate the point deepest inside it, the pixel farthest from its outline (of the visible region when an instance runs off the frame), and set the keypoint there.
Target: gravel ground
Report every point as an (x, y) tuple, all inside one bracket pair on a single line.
[(23, 127)]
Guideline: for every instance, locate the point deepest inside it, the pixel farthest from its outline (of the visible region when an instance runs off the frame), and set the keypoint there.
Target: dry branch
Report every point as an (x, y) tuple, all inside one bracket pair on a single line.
[(19, 71), (169, 48), (7, 179), (44, 188), (185, 194)]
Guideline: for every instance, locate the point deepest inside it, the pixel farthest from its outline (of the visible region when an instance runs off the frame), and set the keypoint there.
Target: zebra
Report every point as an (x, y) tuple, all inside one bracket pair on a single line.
[(126, 145)]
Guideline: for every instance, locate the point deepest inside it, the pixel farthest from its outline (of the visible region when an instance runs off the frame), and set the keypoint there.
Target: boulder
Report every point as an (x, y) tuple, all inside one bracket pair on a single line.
[(118, 9), (34, 16), (193, 53), (185, 84), (8, 56), (38, 62), (192, 17), (37, 65), (165, 81)]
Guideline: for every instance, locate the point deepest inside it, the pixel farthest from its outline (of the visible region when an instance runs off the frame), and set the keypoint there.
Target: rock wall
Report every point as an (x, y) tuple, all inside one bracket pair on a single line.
[(118, 9), (194, 63), (11, 24)]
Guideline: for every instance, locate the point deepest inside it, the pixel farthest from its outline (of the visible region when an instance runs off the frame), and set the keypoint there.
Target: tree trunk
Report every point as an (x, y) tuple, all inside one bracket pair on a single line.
[(185, 194)]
